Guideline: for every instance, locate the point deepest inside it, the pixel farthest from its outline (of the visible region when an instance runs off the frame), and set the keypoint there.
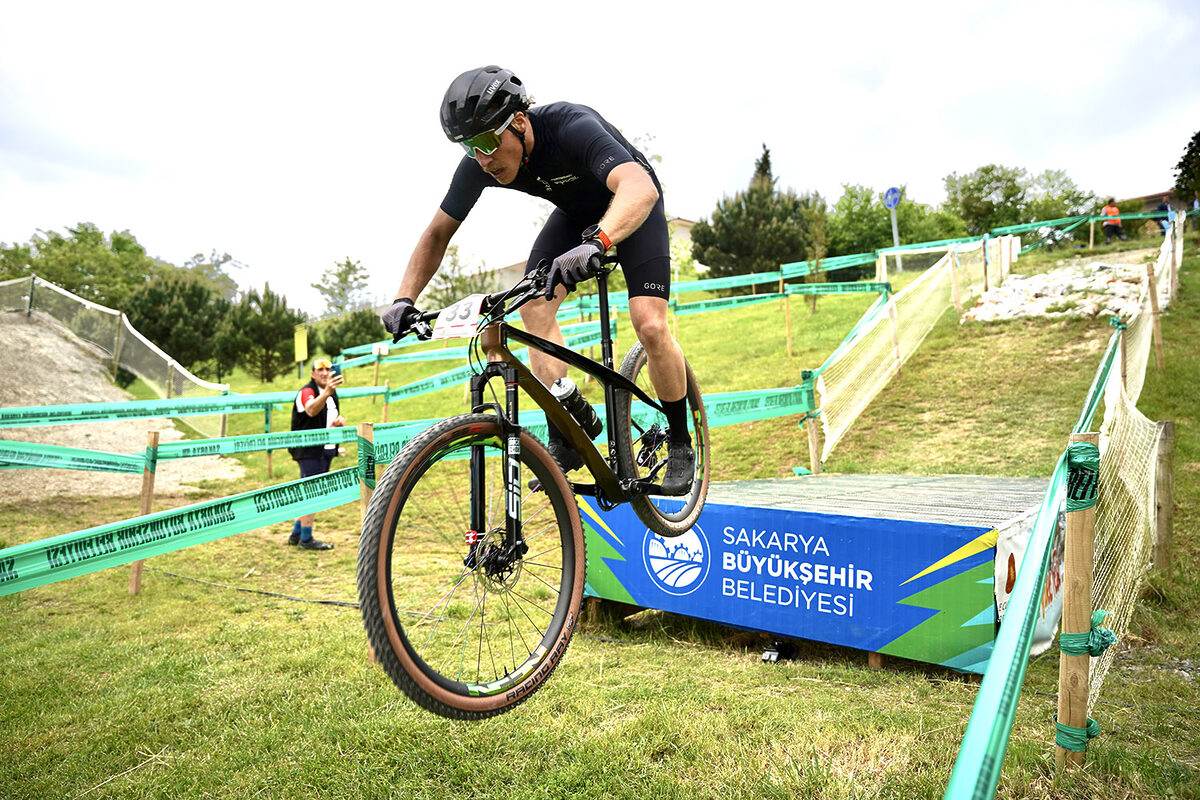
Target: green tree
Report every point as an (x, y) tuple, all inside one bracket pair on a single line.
[(181, 316), (209, 271), (343, 286), (989, 197), (859, 222), (1053, 195), (1187, 172), (350, 329), (105, 269), (260, 330), (454, 281), (758, 229)]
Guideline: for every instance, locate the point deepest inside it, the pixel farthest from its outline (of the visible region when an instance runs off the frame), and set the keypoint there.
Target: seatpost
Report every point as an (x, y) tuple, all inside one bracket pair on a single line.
[(605, 330)]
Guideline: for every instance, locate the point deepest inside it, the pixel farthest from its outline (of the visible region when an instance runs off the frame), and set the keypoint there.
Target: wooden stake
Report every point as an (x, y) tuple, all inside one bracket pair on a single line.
[(1164, 496), (1091, 234), (814, 436), (1157, 324), (954, 283), (378, 358), (147, 502), (366, 431), (1076, 618), (881, 268), (787, 316)]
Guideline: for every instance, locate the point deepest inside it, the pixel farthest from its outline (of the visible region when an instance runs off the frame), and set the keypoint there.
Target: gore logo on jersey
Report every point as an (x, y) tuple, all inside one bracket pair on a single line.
[(563, 179)]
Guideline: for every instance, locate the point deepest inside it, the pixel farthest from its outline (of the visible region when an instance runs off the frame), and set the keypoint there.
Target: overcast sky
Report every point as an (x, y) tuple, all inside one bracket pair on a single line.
[(293, 135)]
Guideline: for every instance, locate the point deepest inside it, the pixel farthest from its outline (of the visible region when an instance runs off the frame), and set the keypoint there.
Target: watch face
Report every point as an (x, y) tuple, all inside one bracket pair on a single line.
[(591, 231)]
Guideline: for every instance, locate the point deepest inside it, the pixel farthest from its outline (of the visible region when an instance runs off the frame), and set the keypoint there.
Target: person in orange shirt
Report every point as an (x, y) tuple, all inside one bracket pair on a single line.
[(1112, 228)]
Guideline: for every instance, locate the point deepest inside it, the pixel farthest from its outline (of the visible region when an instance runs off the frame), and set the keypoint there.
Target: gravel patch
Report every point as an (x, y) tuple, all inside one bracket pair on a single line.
[(1107, 287), (45, 364)]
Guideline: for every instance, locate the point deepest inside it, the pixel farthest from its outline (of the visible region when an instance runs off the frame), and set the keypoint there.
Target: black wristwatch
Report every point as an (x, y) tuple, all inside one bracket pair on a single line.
[(593, 233)]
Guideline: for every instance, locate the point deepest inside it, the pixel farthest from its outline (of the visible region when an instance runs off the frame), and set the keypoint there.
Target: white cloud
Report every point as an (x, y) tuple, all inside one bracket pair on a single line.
[(294, 135)]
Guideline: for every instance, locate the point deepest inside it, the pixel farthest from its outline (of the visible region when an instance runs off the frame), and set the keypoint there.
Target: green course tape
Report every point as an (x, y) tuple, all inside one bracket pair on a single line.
[(1093, 643), (27, 566), (366, 462), (1096, 392), (701, 306), (981, 753), (1032, 226), (146, 409), (1083, 484), (1075, 739), (852, 287), (730, 282), (25, 454), (795, 269)]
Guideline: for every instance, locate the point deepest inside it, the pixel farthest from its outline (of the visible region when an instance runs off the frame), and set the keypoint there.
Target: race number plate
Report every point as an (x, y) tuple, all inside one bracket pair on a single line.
[(460, 319)]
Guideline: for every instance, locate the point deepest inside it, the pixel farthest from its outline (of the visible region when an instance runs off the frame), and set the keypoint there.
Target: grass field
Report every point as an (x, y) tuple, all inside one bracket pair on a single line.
[(196, 689)]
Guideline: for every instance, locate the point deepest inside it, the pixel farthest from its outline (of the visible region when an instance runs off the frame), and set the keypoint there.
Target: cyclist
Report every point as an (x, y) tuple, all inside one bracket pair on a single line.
[(605, 195)]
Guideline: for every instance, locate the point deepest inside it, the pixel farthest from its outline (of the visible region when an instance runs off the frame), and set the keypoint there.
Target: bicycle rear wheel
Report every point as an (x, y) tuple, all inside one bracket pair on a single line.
[(465, 629), (642, 448)]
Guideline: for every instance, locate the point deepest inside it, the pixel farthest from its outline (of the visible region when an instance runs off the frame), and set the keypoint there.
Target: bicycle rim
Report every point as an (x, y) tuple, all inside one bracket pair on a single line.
[(642, 447), (462, 629)]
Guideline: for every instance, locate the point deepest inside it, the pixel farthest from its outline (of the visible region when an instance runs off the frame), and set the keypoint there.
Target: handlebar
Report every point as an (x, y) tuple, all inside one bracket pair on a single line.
[(531, 285)]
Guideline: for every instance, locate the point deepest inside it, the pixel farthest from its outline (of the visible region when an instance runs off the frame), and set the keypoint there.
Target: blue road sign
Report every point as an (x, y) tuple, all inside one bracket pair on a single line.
[(891, 198)]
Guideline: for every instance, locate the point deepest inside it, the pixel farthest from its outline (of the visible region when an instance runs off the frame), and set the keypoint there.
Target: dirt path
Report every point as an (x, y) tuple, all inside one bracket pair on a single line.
[(44, 364)]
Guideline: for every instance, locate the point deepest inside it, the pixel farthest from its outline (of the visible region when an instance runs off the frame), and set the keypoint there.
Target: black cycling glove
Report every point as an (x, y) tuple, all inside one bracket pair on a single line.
[(399, 317), (574, 266)]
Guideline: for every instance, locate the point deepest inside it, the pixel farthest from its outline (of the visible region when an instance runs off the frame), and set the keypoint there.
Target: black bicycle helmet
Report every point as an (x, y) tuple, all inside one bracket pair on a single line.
[(480, 100)]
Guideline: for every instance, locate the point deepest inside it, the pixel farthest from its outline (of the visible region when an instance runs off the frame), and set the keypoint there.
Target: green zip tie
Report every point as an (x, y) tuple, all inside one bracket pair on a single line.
[(1083, 475), (1075, 739), (1117, 322), (1092, 643)]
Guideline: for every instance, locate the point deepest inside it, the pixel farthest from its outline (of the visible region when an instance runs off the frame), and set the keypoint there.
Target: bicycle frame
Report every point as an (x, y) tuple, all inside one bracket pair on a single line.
[(611, 487)]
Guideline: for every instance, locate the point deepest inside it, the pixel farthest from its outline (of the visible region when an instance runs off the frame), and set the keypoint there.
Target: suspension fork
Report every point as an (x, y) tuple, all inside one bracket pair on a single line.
[(510, 432)]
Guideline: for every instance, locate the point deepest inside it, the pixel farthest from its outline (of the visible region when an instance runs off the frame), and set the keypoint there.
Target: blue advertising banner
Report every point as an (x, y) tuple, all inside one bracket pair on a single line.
[(912, 589)]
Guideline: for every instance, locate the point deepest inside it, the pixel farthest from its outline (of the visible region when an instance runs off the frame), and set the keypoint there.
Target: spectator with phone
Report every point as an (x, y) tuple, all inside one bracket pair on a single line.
[(315, 407)]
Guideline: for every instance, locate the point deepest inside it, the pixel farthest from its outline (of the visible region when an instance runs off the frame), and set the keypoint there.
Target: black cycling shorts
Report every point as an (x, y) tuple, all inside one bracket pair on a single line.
[(645, 256)]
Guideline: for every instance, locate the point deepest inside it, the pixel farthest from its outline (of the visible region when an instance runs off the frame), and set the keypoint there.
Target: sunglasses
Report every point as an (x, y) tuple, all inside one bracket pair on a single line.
[(488, 141), (322, 363)]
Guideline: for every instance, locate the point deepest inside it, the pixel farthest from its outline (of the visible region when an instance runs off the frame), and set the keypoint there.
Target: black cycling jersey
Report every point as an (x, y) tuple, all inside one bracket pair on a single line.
[(574, 149)]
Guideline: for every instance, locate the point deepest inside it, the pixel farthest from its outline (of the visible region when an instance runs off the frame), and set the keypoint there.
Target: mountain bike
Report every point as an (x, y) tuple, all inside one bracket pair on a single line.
[(470, 580)]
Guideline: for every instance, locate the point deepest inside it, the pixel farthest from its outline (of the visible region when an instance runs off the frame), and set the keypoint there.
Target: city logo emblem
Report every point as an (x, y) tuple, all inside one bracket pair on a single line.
[(677, 565)]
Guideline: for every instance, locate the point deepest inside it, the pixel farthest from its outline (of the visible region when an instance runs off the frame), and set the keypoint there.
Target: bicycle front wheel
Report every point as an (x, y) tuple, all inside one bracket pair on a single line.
[(642, 448), (463, 625)]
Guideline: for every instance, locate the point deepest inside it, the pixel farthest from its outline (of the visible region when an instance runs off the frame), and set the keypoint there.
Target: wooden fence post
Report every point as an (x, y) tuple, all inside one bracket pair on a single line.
[(1157, 324), (378, 358), (787, 316), (147, 502), (1076, 617), (267, 429), (1091, 233), (366, 474), (954, 281), (1164, 496)]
